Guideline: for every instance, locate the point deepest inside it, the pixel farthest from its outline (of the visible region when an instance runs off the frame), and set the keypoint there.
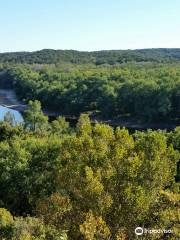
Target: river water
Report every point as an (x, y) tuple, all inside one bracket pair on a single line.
[(16, 115), (9, 100)]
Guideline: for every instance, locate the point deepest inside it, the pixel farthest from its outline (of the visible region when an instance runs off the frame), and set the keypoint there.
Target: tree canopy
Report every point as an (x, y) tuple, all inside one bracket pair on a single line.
[(148, 93), (92, 182), (50, 56)]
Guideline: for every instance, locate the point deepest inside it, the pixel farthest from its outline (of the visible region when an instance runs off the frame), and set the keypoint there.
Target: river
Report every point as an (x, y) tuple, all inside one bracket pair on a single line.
[(9, 103), (16, 115)]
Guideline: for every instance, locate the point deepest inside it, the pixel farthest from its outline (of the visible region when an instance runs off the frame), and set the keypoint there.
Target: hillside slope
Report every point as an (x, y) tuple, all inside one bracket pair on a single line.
[(49, 56)]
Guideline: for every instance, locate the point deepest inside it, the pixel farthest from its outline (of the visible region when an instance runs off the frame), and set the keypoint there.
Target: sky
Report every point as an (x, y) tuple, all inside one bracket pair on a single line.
[(88, 25)]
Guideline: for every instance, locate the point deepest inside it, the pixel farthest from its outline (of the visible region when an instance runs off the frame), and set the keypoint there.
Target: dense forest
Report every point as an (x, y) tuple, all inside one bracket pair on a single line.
[(148, 93), (49, 56), (89, 182)]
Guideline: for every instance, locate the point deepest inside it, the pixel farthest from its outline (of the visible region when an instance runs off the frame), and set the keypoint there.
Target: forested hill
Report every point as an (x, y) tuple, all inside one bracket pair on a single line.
[(48, 56)]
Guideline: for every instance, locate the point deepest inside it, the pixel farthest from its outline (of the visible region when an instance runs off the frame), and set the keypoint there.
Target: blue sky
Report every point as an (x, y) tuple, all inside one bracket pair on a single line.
[(88, 24)]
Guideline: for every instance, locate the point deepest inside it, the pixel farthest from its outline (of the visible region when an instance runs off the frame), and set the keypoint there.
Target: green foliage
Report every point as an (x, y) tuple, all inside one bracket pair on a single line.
[(59, 126), (34, 117), (84, 125), (95, 183), (9, 118), (7, 131), (28, 228), (174, 138), (5, 218), (94, 228), (145, 92), (54, 209), (49, 56)]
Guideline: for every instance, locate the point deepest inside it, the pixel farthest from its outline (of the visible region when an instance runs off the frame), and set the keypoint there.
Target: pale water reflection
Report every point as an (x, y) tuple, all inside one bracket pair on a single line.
[(17, 115)]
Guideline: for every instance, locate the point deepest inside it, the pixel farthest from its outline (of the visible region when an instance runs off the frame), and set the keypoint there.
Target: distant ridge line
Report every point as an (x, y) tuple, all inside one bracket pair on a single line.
[(51, 56)]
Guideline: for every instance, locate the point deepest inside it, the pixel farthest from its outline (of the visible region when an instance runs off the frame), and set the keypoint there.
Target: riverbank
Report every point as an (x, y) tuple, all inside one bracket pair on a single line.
[(9, 99), (134, 125), (129, 123)]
